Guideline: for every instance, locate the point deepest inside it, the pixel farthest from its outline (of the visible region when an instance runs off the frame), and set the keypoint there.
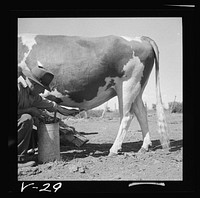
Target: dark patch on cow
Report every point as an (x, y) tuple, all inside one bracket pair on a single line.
[(109, 65), (81, 69), (147, 70), (81, 65), (116, 57), (21, 50)]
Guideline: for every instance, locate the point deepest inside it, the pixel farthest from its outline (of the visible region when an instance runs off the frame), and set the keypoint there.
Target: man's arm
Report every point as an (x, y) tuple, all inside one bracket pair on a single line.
[(43, 103), (32, 111)]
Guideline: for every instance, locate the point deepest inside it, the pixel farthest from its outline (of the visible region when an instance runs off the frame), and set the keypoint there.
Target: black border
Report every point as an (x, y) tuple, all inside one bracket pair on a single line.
[(189, 18)]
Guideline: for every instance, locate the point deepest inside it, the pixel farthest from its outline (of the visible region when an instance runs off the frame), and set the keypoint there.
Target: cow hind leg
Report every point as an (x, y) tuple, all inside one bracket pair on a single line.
[(141, 114), (125, 123), (126, 97)]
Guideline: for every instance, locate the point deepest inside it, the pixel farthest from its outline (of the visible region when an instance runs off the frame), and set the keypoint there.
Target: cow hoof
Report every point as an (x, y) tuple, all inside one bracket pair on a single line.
[(111, 154), (166, 146), (142, 150)]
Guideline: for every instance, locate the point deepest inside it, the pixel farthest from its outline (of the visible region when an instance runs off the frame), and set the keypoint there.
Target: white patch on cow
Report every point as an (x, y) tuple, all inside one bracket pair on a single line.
[(137, 39), (132, 38), (134, 68), (127, 38), (29, 41)]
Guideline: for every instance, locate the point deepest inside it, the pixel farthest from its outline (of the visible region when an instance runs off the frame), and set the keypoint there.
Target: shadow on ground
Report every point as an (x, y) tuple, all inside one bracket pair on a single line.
[(96, 150)]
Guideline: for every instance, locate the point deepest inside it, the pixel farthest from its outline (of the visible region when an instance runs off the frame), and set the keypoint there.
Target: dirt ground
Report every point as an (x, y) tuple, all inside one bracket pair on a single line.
[(91, 161)]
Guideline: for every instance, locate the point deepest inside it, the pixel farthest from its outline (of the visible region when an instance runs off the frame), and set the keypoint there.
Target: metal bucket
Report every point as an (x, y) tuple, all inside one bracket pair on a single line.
[(48, 142)]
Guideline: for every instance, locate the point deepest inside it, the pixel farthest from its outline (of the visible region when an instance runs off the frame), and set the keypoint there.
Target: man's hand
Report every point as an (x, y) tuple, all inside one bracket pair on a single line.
[(67, 112)]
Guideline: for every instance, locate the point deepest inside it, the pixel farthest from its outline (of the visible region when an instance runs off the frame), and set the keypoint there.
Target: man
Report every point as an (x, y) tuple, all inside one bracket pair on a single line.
[(31, 106)]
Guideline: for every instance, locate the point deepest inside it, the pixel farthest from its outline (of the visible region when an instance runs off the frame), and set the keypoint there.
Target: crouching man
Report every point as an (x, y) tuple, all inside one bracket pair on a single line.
[(31, 107)]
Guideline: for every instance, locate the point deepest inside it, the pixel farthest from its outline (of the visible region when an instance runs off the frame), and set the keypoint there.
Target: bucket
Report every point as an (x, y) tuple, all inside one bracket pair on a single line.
[(48, 142)]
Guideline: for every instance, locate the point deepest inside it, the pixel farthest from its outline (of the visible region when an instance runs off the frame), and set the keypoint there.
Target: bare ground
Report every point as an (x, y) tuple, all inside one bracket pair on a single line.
[(91, 162)]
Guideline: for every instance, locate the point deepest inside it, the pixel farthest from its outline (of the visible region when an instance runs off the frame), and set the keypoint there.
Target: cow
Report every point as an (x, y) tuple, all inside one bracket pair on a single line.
[(90, 71)]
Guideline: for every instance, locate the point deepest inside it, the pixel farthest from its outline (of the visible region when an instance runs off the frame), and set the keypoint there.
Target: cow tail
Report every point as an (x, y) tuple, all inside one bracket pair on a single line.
[(161, 119)]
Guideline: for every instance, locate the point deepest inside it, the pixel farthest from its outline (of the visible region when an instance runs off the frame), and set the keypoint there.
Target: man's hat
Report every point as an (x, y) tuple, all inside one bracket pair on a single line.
[(40, 75)]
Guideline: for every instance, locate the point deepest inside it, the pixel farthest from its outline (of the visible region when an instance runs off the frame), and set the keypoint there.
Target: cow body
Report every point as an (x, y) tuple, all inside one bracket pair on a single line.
[(90, 71)]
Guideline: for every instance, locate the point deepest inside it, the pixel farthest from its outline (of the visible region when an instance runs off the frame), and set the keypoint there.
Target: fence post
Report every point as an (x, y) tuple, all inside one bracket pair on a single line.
[(105, 109), (173, 105)]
